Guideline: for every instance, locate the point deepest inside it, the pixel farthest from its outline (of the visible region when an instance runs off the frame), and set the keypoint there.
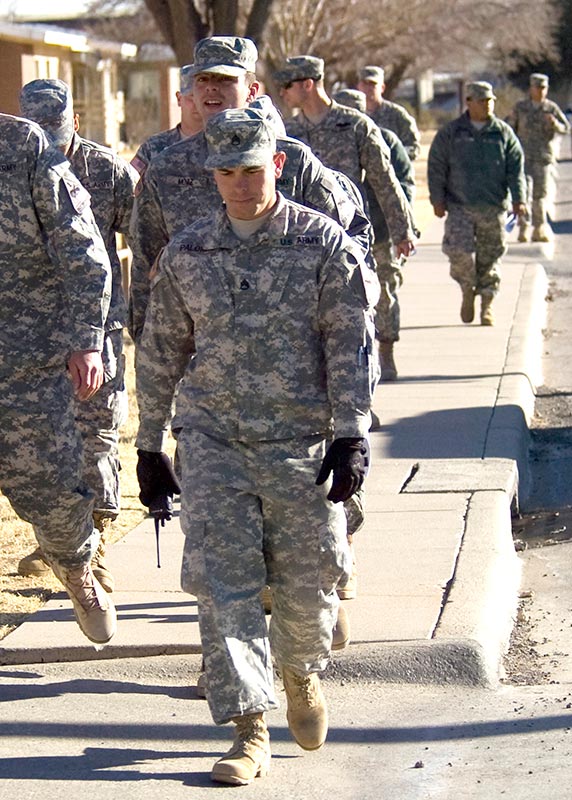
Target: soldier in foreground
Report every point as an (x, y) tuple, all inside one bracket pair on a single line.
[(110, 182), (474, 162), (55, 297), (537, 121), (265, 309)]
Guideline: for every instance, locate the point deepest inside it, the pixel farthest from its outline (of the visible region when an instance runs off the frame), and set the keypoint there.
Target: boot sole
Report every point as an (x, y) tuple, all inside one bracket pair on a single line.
[(236, 780), (34, 573)]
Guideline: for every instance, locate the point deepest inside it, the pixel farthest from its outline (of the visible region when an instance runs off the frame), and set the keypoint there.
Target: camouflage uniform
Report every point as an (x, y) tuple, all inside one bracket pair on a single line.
[(274, 339), (387, 322), (177, 189), (110, 182), (348, 141), (389, 272), (56, 291), (471, 172), (154, 145), (537, 136), (395, 118)]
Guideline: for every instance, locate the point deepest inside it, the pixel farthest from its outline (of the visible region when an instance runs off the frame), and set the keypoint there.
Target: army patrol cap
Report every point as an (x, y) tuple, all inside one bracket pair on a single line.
[(48, 101), (263, 103), (372, 74), (225, 55), (299, 68), (186, 79), (539, 79), (352, 98), (239, 137), (479, 90)]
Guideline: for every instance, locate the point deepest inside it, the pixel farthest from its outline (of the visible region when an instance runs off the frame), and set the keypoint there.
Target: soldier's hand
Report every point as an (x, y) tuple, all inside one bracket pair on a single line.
[(86, 372), (405, 248), (519, 209), (347, 459), (157, 482), (439, 209)]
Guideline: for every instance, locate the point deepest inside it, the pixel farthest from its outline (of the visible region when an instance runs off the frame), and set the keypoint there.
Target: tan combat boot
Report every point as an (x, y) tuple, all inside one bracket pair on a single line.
[(34, 564), (93, 608), (307, 713), (388, 368), (98, 565), (249, 756), (523, 233), (540, 234), (468, 304), (341, 635), (487, 316)]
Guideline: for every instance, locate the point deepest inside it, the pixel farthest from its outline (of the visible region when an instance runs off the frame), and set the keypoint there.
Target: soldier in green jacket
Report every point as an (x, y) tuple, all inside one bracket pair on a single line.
[(474, 162)]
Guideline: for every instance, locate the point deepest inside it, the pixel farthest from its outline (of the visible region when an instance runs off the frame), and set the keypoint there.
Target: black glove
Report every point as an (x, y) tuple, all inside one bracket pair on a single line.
[(158, 483), (348, 460)]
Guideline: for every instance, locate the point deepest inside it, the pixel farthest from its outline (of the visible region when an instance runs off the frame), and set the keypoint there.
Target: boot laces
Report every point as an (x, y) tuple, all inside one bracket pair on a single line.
[(81, 582), (305, 688)]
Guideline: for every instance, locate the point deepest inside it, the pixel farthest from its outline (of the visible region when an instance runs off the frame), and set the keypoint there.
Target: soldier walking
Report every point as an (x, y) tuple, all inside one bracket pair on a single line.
[(474, 161), (55, 296), (386, 114), (537, 121), (264, 309), (110, 182), (348, 141)]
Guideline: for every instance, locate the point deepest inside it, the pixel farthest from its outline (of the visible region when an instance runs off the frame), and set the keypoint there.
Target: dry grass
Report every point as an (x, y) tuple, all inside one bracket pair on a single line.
[(19, 596)]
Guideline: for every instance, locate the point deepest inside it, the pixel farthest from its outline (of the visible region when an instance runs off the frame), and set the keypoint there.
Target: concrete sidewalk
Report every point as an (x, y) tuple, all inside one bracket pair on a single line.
[(438, 575)]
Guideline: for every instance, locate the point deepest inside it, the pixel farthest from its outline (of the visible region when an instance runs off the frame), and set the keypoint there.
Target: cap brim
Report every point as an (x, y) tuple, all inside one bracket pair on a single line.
[(221, 69), (58, 134), (231, 160)]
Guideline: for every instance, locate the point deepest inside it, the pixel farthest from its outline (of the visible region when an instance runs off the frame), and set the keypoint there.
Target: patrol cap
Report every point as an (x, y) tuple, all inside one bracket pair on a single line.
[(298, 68), (186, 79), (352, 98), (225, 55), (263, 103), (48, 101), (372, 74), (239, 137), (539, 79), (479, 90)]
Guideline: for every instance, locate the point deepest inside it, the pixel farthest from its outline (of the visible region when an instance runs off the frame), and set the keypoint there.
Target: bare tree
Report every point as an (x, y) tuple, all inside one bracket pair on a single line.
[(407, 36), (182, 23)]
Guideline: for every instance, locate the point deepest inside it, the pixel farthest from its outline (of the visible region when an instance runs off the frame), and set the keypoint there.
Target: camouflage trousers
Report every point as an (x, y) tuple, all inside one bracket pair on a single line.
[(241, 515), (387, 312), (474, 241), (538, 182), (40, 467), (99, 420)]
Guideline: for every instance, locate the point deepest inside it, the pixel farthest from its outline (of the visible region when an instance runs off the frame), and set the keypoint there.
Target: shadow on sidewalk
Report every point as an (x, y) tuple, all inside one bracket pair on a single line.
[(454, 433)]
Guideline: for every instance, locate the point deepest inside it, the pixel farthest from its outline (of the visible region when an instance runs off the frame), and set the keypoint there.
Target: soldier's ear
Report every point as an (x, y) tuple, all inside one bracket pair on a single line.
[(279, 161)]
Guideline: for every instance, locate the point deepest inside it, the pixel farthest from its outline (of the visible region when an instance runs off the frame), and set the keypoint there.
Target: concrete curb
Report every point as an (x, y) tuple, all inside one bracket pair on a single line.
[(487, 568), (508, 433)]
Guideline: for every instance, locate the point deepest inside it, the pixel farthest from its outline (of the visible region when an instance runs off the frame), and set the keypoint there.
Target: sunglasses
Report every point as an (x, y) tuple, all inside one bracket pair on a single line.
[(292, 82)]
